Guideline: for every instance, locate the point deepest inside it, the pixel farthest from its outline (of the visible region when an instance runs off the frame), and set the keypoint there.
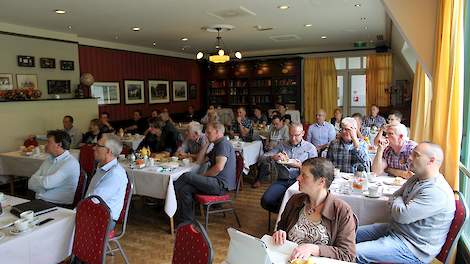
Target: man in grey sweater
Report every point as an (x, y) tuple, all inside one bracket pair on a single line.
[(422, 211)]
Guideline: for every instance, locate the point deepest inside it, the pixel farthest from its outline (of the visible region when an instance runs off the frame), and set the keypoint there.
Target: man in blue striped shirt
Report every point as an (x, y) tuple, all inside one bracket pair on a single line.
[(321, 133)]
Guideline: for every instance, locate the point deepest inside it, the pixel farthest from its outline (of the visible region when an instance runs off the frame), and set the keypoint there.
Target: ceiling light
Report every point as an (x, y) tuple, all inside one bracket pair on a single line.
[(116, 37), (365, 27), (154, 44), (136, 28), (60, 12), (69, 27), (184, 39), (220, 55), (221, 52), (308, 25), (357, 5), (238, 55), (283, 7), (199, 55), (323, 37)]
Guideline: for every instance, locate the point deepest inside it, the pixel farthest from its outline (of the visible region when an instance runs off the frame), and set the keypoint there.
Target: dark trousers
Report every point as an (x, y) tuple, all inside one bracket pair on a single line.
[(273, 196), (189, 184), (269, 169)]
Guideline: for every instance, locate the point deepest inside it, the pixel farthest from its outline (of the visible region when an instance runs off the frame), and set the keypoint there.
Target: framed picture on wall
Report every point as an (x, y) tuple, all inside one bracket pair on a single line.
[(47, 63), (159, 91), (134, 91), (67, 65), (27, 81), (6, 81), (106, 92), (58, 87), (180, 91), (25, 61), (192, 93)]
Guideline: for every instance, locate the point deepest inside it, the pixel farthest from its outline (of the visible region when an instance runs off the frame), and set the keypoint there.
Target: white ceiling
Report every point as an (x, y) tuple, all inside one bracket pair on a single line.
[(167, 21)]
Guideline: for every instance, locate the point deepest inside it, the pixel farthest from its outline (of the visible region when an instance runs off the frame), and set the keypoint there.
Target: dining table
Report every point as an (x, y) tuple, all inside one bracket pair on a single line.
[(251, 152), (48, 243), (132, 141)]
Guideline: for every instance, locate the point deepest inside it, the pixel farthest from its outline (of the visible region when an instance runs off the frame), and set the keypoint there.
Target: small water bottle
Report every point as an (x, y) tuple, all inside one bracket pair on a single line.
[(361, 175)]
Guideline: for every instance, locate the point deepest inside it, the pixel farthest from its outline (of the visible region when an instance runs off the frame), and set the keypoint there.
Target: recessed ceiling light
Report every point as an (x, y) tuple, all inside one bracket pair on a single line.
[(283, 7), (308, 25), (365, 27), (116, 37), (154, 44), (136, 28), (69, 27), (357, 5), (61, 12), (323, 37), (184, 39)]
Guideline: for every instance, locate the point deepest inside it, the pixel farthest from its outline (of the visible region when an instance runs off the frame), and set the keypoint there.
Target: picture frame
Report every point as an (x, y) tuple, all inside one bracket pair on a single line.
[(192, 92), (6, 81), (134, 91), (180, 91), (27, 81), (25, 61), (47, 63), (106, 92), (159, 91), (58, 87), (67, 65)]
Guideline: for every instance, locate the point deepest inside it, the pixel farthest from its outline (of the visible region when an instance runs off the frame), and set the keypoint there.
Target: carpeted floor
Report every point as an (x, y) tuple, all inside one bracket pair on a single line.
[(147, 239)]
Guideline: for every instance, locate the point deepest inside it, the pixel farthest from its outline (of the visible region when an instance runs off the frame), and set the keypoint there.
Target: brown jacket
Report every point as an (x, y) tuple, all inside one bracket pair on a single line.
[(339, 220)]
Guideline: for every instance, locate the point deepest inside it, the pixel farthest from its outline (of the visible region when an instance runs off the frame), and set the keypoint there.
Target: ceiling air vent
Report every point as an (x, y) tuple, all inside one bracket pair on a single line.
[(380, 37), (261, 28), (282, 38), (232, 13)]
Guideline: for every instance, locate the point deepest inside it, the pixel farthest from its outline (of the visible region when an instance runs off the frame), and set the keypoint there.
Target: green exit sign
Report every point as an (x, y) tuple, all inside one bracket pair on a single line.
[(360, 44)]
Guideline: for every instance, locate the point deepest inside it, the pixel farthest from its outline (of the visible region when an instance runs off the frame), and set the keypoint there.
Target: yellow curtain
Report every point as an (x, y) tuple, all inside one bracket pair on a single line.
[(420, 106), (446, 105), (378, 79), (320, 88)]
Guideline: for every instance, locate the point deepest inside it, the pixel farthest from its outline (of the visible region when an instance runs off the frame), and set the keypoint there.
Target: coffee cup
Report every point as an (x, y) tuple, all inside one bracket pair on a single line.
[(2, 196), (375, 190), (186, 162), (337, 171), (36, 151), (21, 224), (28, 215), (151, 162), (236, 138), (42, 148), (174, 159), (371, 176)]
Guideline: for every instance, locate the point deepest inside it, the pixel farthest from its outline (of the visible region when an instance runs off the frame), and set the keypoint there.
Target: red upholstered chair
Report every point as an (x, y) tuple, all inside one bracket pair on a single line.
[(87, 159), (306, 126), (121, 224), (91, 231), (461, 213), (208, 200), (192, 245), (80, 191)]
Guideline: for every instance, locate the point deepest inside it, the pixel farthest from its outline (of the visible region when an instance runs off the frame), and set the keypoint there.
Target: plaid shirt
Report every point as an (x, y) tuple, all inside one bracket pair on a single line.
[(247, 123), (377, 121), (365, 131), (399, 161), (344, 156)]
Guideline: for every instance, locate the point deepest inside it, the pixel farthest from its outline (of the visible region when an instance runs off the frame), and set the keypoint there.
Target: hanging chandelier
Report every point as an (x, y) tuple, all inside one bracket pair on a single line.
[(220, 55)]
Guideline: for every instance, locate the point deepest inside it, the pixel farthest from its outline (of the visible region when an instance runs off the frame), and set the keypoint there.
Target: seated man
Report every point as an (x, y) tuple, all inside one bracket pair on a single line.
[(219, 178), (394, 118), (282, 108), (105, 126), (374, 119), (74, 133), (242, 126), (153, 139), (110, 179), (362, 131), (348, 151), (321, 133), (258, 117), (278, 132), (422, 211), (91, 137), (296, 150), (57, 178), (190, 115), (138, 124), (393, 153), (170, 135), (195, 144)]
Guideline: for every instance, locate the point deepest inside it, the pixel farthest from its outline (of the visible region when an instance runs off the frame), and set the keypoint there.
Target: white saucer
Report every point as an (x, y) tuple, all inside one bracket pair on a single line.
[(7, 221), (15, 232), (366, 194)]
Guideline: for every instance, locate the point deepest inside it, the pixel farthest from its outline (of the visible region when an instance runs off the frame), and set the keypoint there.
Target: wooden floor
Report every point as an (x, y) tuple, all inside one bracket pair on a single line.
[(147, 239)]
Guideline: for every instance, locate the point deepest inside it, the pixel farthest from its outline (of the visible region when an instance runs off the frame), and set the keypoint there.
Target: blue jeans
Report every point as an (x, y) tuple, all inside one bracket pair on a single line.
[(273, 196), (375, 244)]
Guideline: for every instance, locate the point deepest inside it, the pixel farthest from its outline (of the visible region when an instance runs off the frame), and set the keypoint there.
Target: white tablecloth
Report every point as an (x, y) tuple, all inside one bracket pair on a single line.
[(17, 164), (368, 210), (133, 141), (149, 182), (48, 243), (251, 151)]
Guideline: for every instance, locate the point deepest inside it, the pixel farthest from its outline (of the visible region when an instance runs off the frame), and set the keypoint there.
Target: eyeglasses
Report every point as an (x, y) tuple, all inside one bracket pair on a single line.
[(296, 135)]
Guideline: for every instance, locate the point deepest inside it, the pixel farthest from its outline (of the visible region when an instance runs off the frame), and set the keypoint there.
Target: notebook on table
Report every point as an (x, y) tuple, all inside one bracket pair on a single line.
[(38, 206)]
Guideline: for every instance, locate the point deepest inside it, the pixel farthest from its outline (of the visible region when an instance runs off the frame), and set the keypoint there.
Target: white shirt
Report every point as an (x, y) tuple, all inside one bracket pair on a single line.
[(109, 183), (57, 179)]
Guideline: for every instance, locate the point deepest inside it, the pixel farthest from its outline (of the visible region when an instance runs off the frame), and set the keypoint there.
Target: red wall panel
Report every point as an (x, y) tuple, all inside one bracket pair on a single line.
[(109, 65)]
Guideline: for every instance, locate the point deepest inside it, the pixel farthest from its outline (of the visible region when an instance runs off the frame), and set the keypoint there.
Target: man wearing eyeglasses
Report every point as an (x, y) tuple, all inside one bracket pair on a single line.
[(110, 179), (284, 161), (57, 178), (348, 151)]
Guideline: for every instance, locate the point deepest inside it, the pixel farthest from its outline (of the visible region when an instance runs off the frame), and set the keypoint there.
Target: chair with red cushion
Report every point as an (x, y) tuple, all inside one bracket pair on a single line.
[(192, 245), (118, 233), (456, 228), (91, 231), (209, 200), (87, 159), (306, 126), (80, 191)]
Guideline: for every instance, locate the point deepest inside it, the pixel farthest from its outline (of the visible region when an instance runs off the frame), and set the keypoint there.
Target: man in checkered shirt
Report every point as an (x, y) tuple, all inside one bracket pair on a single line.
[(393, 152), (348, 151)]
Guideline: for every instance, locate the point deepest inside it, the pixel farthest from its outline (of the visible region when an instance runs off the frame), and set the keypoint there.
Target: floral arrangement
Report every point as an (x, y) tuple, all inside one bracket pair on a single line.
[(20, 94)]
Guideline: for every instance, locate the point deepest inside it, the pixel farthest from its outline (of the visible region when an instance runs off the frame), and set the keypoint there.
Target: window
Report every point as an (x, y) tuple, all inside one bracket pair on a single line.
[(354, 62), (340, 63), (358, 90), (340, 84)]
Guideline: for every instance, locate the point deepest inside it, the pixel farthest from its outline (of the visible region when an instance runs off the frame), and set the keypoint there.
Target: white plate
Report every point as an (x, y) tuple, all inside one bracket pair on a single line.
[(366, 194), (290, 161), (170, 165), (7, 220), (393, 183)]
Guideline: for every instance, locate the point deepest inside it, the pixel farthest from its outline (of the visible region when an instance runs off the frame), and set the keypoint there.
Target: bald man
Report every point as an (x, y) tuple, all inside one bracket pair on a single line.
[(422, 211), (321, 133)]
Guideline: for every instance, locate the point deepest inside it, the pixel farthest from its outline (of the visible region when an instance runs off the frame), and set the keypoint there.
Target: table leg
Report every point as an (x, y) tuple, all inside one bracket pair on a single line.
[(172, 226), (12, 185)]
